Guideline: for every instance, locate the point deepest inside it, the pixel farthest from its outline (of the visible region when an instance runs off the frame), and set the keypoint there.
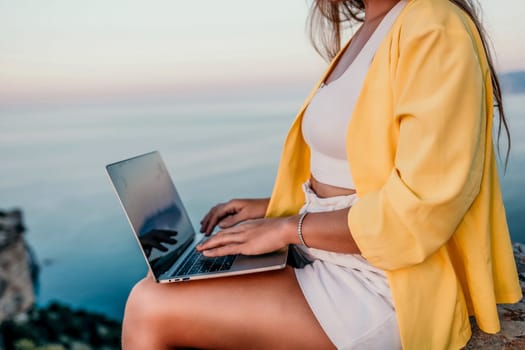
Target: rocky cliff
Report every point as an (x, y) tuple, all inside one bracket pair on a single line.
[(24, 326), (16, 267)]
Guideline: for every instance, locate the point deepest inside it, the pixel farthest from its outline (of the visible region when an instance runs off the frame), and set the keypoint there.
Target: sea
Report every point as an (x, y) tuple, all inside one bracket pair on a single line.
[(52, 161)]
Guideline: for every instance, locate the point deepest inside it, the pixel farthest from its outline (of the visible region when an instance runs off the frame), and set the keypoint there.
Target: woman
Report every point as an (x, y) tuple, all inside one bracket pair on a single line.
[(387, 191)]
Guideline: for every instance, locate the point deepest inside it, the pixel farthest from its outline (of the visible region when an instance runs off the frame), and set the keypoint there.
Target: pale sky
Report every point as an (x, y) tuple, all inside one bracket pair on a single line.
[(69, 48)]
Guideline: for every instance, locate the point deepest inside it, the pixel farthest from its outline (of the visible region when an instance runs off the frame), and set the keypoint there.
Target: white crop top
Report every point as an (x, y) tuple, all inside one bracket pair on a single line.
[(325, 121)]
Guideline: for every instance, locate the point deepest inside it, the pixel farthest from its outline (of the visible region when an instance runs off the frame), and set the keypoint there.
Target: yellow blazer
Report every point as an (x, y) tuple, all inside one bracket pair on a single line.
[(420, 146)]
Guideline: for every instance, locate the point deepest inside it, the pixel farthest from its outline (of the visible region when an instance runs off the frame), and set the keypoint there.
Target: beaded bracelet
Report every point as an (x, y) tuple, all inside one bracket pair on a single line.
[(300, 228)]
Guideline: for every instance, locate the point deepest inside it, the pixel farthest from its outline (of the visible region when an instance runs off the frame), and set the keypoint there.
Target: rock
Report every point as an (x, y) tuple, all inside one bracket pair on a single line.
[(512, 317), (80, 346), (60, 326), (11, 227), (24, 326), (16, 274)]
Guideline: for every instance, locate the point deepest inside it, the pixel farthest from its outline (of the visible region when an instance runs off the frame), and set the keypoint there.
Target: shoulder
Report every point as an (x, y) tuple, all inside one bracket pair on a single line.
[(421, 17), (437, 27)]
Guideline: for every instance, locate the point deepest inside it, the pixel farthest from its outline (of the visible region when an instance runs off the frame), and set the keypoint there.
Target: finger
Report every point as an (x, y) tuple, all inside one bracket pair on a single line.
[(206, 217), (211, 219), (163, 234), (205, 220), (159, 246), (220, 212), (231, 249), (220, 239), (169, 233), (168, 240), (231, 220), (151, 243)]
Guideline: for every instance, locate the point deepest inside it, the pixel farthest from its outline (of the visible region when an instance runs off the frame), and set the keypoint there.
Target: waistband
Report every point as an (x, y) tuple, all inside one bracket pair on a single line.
[(313, 203)]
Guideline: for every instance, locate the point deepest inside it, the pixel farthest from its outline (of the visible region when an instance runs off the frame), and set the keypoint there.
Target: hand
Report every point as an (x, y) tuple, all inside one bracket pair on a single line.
[(251, 237), (155, 238), (233, 212)]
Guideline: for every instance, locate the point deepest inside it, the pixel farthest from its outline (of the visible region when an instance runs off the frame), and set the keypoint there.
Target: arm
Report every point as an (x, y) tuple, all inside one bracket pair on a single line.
[(327, 230), (440, 110)]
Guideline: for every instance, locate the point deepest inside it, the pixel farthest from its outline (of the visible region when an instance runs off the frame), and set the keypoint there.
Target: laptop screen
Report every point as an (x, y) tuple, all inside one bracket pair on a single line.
[(153, 208)]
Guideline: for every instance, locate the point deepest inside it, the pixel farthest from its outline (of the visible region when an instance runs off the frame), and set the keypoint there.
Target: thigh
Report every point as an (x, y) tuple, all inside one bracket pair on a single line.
[(259, 311)]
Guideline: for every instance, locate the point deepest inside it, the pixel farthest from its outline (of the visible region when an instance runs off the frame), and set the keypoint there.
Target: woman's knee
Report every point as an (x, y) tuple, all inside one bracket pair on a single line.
[(141, 318), (142, 301), (150, 308)]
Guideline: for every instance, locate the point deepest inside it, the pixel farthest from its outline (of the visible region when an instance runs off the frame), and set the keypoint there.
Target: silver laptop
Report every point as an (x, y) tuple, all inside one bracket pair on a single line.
[(164, 231)]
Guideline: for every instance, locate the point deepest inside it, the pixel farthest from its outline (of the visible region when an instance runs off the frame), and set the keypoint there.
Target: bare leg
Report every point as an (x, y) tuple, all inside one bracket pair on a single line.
[(257, 311)]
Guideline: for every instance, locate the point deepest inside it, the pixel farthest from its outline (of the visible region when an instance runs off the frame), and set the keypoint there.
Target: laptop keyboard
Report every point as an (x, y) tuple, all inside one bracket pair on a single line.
[(196, 263)]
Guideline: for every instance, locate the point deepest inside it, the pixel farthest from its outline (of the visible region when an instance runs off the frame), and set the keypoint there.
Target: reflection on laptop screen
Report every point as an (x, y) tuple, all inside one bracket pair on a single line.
[(153, 207)]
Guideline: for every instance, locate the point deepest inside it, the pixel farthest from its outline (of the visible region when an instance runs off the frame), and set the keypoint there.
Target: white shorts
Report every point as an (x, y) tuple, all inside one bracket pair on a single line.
[(350, 298)]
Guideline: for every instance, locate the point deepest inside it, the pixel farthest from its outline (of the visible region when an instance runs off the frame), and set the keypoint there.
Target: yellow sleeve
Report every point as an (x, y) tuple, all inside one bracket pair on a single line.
[(440, 113)]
